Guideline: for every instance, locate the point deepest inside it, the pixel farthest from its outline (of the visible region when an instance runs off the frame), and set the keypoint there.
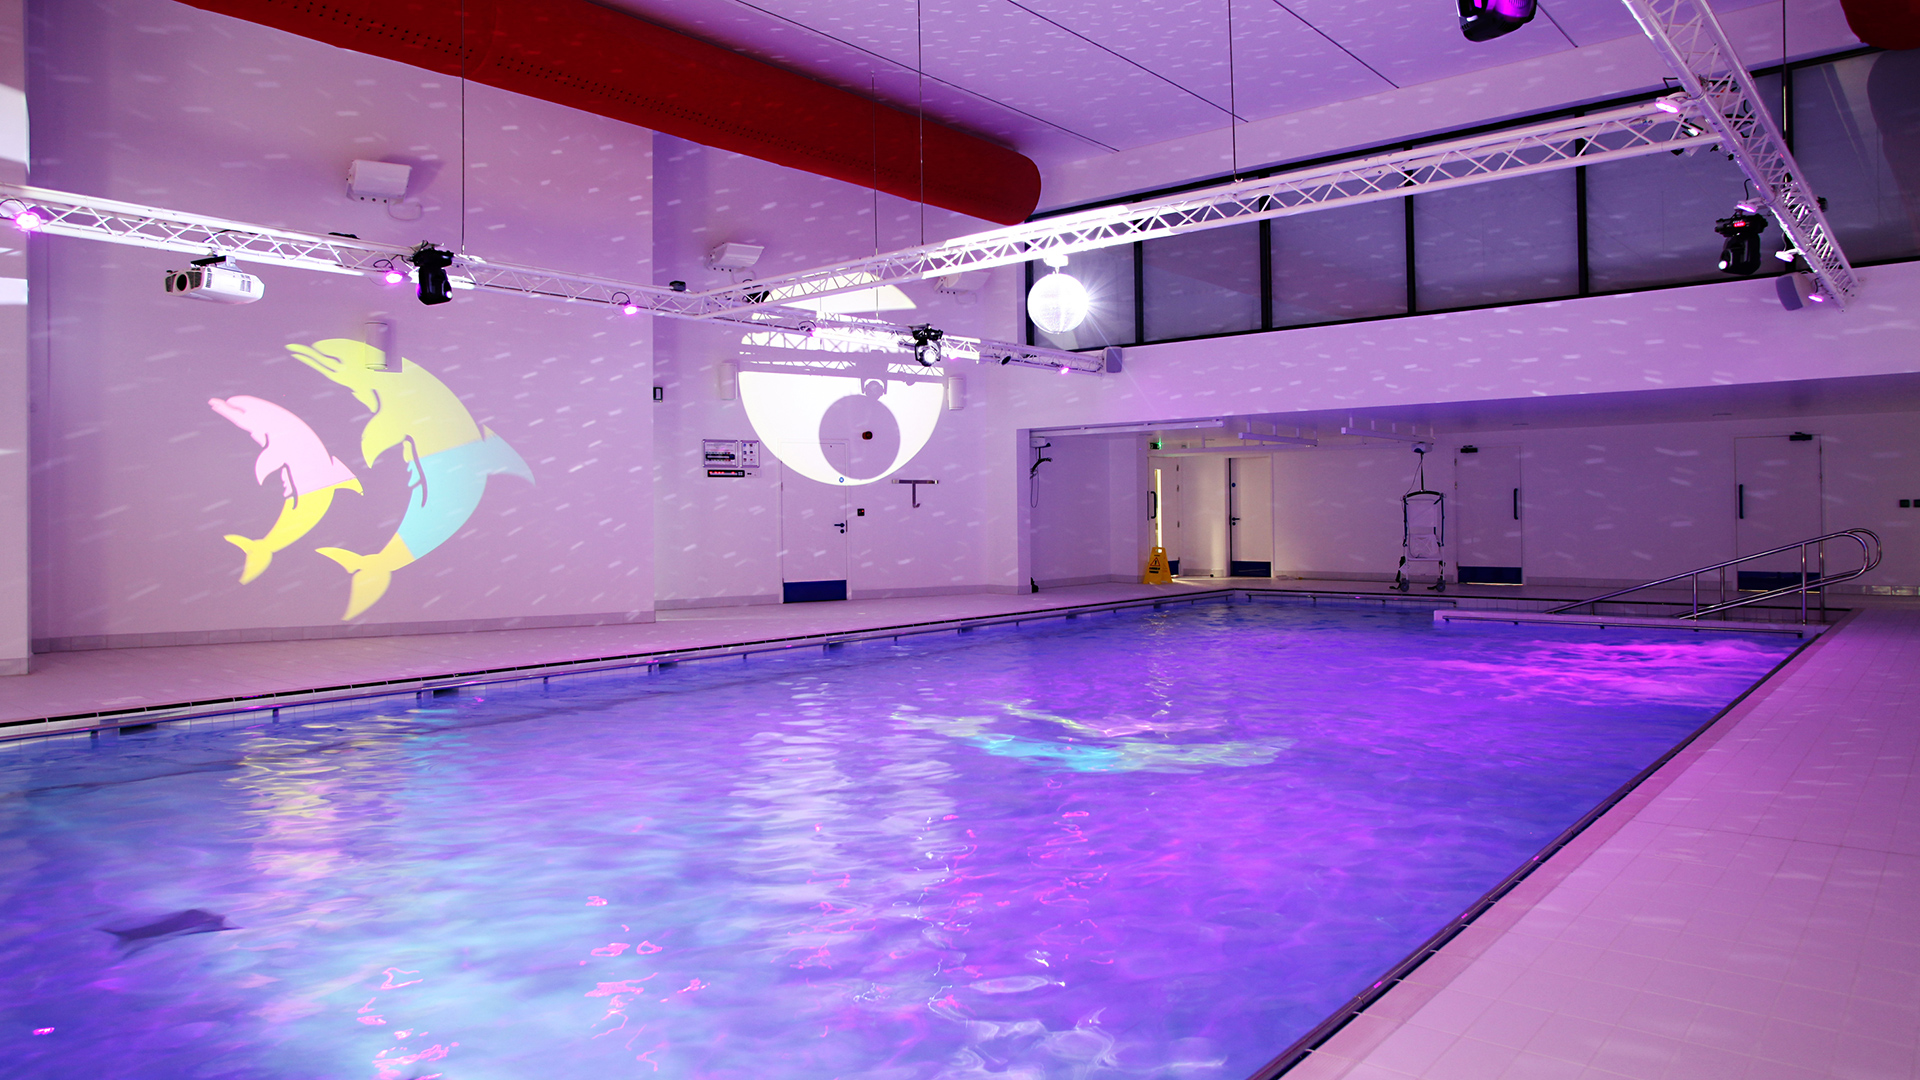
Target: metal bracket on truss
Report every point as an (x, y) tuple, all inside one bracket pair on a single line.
[(63, 213), (1722, 93)]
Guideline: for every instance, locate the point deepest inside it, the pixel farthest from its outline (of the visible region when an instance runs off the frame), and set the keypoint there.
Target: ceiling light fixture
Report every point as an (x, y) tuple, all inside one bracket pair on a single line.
[(1058, 302), (431, 263), (25, 218), (1484, 20), (925, 343), (1741, 252)]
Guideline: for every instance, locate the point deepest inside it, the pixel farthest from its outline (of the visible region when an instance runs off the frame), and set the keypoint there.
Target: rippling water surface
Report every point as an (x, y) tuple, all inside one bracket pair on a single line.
[(1129, 845)]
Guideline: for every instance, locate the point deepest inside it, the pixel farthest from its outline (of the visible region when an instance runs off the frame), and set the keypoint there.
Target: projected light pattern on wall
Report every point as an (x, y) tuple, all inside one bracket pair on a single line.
[(790, 411), (448, 455), (309, 476)]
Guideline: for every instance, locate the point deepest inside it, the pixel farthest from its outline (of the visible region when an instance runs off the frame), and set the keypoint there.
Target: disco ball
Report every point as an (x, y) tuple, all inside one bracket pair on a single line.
[(1057, 303)]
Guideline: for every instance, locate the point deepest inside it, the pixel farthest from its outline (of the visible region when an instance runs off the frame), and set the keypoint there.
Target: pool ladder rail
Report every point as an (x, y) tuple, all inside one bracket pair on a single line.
[(1816, 581)]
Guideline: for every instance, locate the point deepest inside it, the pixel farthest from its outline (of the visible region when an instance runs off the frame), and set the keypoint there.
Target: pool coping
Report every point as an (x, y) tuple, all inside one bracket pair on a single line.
[(271, 702), (1398, 975)]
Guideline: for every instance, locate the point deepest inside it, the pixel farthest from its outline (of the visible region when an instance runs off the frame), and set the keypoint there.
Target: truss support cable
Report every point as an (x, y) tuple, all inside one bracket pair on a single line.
[(1723, 94)]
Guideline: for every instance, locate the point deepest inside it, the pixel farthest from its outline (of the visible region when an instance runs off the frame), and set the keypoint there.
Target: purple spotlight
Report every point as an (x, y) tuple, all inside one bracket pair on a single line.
[(1484, 20), (630, 309), (394, 277), (1065, 370), (31, 219)]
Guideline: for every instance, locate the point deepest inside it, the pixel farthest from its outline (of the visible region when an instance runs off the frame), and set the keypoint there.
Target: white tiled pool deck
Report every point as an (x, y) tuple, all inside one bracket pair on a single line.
[(1752, 912)]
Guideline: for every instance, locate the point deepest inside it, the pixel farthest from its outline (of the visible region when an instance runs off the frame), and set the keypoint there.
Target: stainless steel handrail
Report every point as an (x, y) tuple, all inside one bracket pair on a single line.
[(1868, 540)]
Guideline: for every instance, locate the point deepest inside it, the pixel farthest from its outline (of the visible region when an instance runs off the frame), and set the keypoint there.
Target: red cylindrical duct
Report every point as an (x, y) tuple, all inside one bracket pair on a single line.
[(579, 54), (1889, 24)]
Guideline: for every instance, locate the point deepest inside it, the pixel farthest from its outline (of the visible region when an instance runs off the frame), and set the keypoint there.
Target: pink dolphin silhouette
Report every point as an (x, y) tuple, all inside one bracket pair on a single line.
[(309, 475), (291, 447)]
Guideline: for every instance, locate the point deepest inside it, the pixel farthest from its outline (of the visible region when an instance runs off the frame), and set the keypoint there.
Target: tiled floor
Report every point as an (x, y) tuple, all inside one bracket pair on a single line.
[(1751, 913)]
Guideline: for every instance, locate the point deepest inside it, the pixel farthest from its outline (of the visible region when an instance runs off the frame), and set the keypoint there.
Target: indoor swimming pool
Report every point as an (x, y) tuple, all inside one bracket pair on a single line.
[(1132, 844)]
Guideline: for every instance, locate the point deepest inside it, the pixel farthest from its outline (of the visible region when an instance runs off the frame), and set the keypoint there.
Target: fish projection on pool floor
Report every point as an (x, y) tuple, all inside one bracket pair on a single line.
[(449, 456), (309, 476)]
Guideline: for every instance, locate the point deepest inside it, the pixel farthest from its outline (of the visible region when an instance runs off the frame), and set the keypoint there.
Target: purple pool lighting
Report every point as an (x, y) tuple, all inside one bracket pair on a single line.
[(1137, 844)]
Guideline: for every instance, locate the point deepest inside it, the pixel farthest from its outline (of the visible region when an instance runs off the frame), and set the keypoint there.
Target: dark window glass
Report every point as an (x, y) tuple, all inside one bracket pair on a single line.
[(1203, 283), (1856, 134), (1496, 242), (1650, 219), (1348, 262)]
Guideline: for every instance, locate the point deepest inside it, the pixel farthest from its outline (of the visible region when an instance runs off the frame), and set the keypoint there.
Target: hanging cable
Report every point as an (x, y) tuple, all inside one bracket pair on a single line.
[(1233, 101)]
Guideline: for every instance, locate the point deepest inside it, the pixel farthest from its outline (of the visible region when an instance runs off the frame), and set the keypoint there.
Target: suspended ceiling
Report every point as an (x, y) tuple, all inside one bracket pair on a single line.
[(1061, 80)]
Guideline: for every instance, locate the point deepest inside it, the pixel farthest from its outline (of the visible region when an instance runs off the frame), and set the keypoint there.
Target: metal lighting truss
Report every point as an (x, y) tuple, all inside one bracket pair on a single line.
[(1672, 123), (66, 214), (1721, 91)]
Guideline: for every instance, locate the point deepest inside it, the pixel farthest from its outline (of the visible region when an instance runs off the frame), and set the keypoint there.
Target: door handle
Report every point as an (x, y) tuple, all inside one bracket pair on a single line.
[(1516, 504), (1740, 500), (1153, 513), (841, 525)]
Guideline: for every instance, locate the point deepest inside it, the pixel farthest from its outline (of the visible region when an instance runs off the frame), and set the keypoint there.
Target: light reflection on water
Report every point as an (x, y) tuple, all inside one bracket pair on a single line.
[(1143, 845)]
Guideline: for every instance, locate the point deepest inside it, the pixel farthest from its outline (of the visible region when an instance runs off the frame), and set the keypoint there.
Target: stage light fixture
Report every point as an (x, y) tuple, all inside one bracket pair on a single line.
[(25, 218), (1058, 302), (1740, 254), (925, 343), (430, 264), (1484, 20)]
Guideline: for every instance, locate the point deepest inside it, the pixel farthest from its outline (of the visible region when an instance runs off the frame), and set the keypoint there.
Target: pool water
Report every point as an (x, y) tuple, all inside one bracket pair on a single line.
[(1135, 844)]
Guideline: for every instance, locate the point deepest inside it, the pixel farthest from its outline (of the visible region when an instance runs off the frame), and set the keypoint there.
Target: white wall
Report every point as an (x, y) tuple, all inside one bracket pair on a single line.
[(1605, 506), (719, 539), (15, 619), (137, 479)]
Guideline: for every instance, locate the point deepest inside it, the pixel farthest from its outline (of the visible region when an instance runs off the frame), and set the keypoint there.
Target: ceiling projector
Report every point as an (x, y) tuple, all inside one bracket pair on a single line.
[(216, 280)]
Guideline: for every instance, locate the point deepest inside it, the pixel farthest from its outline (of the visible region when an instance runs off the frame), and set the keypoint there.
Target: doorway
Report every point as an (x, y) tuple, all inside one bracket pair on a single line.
[(1491, 544), (813, 533), (1164, 507), (1250, 516), (1777, 501)]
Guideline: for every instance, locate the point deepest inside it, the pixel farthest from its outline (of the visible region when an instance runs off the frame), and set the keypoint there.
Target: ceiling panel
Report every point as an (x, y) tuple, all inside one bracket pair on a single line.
[(765, 35), (1586, 22), (1280, 64), (1066, 79), (1002, 51), (1416, 41)]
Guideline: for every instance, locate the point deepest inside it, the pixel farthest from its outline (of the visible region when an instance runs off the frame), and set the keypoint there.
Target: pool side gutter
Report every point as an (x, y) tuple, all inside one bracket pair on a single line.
[(1304, 1047)]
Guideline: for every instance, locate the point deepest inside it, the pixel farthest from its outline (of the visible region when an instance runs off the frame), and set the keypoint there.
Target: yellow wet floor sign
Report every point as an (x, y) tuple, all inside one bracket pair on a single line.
[(1158, 573)]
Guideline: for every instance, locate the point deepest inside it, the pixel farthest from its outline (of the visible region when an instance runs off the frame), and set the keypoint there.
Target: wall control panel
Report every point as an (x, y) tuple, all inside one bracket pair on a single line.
[(731, 459)]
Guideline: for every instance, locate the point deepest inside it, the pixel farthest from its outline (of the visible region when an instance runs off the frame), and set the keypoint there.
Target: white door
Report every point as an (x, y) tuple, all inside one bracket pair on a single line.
[(813, 533), (1776, 502), (1488, 543), (1250, 516)]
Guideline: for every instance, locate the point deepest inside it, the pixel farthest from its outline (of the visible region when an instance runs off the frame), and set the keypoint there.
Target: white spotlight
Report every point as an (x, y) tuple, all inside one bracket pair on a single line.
[(1057, 302)]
